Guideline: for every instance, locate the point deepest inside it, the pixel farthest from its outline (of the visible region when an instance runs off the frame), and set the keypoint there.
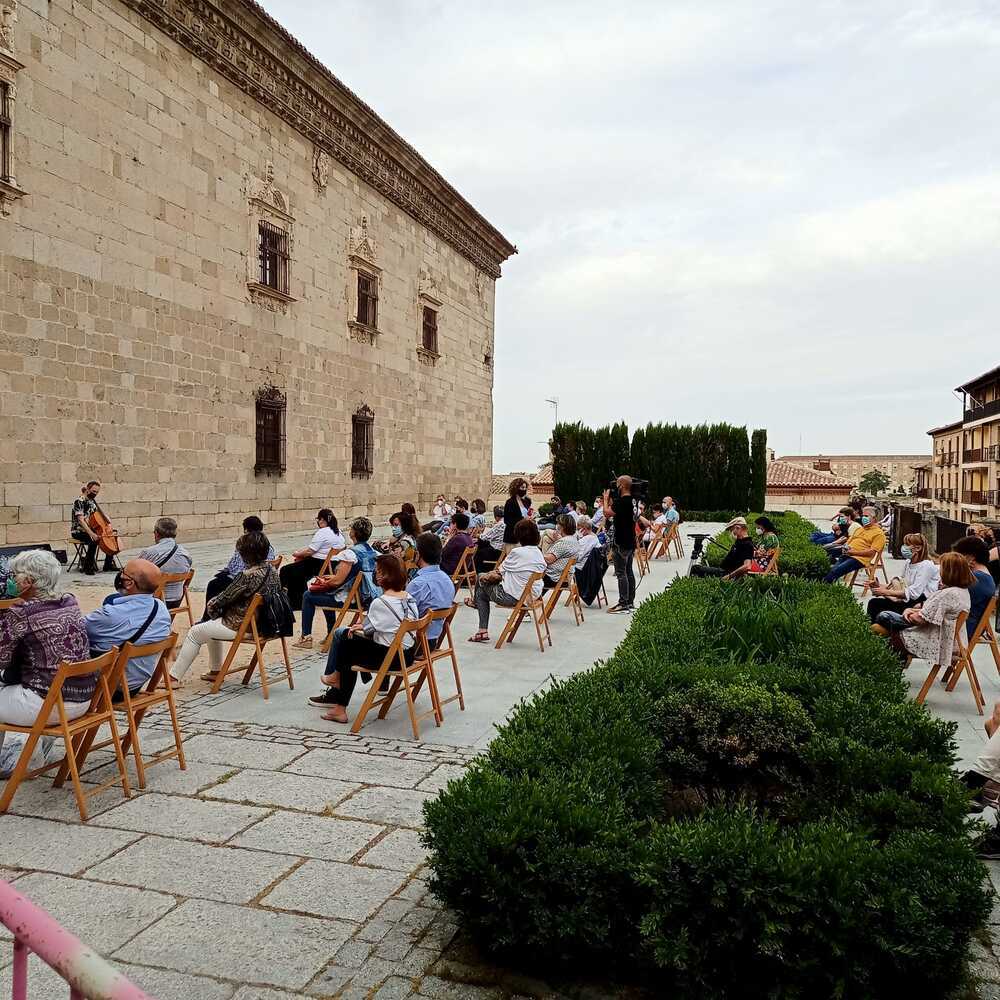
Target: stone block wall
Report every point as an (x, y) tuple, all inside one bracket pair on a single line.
[(130, 345)]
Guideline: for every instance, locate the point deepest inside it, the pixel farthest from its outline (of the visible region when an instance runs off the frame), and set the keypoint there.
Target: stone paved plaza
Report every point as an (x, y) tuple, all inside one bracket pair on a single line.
[(286, 861)]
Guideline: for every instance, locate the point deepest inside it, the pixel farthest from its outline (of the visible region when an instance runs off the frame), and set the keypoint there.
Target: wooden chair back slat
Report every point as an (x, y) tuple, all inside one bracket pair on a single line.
[(953, 671), (184, 608), (352, 605), (527, 605), (247, 633)]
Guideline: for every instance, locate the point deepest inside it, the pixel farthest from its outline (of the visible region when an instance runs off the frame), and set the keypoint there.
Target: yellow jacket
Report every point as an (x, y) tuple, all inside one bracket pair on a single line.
[(866, 537)]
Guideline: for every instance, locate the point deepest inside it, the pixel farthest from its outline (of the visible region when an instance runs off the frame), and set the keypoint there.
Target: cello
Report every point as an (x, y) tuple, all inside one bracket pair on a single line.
[(107, 537)]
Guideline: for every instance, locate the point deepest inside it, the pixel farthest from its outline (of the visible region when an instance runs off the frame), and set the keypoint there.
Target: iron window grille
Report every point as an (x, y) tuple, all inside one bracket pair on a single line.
[(363, 443), (270, 430), (272, 249), (367, 300), (430, 330), (5, 132)]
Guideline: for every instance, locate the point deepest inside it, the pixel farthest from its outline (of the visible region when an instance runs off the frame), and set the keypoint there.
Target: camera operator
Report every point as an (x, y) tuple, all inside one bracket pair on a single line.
[(623, 508), (738, 559)]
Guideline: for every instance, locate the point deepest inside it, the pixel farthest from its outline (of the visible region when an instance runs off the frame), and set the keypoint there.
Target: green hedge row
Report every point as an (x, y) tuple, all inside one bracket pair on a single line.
[(720, 813), (799, 556)]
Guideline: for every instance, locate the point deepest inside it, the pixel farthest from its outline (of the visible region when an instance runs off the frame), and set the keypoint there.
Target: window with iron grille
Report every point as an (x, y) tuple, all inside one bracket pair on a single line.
[(430, 330), (363, 443), (270, 430), (367, 300), (5, 133), (272, 249)]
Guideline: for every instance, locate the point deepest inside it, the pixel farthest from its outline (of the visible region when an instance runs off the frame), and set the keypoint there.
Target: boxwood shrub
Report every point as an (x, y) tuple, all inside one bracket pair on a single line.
[(721, 817)]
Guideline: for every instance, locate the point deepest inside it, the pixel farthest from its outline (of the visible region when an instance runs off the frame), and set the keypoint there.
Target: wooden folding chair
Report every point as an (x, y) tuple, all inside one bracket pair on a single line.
[(983, 634), (657, 547), (249, 625), (352, 606), (78, 554), (677, 539), (871, 574), (527, 605), (465, 572), (977, 691), (325, 568), (184, 608), (156, 691), (10, 603), (276, 561), (567, 583), (772, 566), (641, 560), (445, 650), (77, 735), (394, 666)]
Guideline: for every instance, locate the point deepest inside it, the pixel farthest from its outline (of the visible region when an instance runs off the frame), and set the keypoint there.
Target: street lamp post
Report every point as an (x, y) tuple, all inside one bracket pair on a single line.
[(554, 402)]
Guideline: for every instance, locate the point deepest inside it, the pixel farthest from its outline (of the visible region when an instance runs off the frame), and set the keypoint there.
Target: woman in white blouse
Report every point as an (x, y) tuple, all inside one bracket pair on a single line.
[(309, 561), (365, 644), (921, 578), (504, 586)]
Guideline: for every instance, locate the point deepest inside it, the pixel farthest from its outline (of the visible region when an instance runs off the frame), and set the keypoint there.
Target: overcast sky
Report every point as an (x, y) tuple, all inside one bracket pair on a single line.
[(779, 214)]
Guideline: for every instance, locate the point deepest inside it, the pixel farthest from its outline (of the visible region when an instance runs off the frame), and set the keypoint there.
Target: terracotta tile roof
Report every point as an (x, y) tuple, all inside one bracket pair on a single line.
[(788, 474), (537, 481), (543, 477)]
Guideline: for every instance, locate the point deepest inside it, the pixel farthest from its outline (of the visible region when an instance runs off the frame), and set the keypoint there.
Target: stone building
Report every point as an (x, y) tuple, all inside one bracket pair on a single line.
[(810, 492), (226, 285), (899, 468)]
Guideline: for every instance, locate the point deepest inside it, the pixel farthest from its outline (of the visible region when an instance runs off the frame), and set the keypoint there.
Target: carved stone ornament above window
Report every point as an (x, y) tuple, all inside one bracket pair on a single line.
[(251, 50), (362, 244), (428, 288)]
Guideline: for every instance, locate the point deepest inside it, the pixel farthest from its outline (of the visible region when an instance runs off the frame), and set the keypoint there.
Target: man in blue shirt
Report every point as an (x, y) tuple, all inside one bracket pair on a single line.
[(124, 614), (431, 587)]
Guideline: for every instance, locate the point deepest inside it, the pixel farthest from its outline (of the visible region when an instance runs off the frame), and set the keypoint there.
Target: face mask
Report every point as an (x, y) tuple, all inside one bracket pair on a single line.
[(91, 496), (841, 520), (906, 551), (397, 531), (760, 531), (866, 519), (522, 492), (13, 590)]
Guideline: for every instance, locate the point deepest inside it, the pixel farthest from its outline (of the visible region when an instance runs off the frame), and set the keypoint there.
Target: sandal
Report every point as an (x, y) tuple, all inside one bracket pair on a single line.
[(329, 718), (305, 642), (480, 636), (210, 676), (469, 602), (334, 682)]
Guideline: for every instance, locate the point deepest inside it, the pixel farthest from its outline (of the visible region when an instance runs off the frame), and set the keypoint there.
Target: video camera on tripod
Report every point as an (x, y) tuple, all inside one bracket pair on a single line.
[(640, 489)]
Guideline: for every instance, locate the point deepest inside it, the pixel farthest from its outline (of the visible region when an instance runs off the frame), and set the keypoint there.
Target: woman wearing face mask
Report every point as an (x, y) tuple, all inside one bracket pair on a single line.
[(515, 510), (35, 637), (765, 544), (921, 578)]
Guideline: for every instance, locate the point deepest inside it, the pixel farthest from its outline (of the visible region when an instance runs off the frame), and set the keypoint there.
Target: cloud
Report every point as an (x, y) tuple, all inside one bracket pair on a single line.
[(776, 213)]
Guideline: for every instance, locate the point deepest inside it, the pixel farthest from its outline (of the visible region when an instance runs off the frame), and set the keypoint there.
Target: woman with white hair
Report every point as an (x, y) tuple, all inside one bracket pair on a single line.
[(35, 637)]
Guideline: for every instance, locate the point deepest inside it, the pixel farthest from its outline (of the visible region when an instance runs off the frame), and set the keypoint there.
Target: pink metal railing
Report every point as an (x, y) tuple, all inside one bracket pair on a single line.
[(88, 975)]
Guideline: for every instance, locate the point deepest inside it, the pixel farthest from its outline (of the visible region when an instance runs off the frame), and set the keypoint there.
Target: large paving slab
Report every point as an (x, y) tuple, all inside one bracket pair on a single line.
[(331, 889), (186, 818), (399, 806), (361, 768), (240, 753), (324, 837), (290, 791), (226, 874), (268, 948), (43, 845), (399, 850)]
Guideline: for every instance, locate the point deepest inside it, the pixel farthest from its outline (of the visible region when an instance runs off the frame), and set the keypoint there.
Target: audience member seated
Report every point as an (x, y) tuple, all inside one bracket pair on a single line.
[(459, 540), (430, 586), (329, 592), (408, 508), (983, 588), (987, 535), (403, 537), (309, 561), (226, 611), (235, 566), (515, 510), (738, 560), (490, 543), (984, 775), (927, 632), (477, 519), (765, 544), (440, 509), (861, 548), (170, 557), (598, 519), (586, 540), (560, 553), (133, 615), (35, 637), (365, 644), (921, 578), (504, 587), (670, 514), (841, 527)]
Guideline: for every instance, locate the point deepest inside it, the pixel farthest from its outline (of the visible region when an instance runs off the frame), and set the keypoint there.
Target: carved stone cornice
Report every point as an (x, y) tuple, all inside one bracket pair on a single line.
[(239, 40)]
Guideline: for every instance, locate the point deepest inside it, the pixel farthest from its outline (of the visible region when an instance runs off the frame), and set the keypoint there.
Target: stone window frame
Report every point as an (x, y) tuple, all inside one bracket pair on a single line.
[(428, 298), (9, 68), (362, 262), (363, 442), (267, 204), (270, 408)]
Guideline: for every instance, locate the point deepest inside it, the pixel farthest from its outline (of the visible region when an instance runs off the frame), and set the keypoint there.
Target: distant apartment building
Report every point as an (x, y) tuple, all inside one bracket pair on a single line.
[(899, 468), (964, 479)]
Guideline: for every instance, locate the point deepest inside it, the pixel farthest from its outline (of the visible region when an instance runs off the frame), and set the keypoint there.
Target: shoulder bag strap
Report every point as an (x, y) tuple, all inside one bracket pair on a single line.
[(145, 625), (168, 557)]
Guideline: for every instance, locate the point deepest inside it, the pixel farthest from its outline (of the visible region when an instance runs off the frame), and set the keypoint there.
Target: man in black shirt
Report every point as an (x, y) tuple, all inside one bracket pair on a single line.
[(738, 559), (623, 510)]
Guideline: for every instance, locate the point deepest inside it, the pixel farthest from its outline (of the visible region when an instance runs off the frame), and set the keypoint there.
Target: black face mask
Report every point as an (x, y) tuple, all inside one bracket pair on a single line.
[(91, 496), (522, 493)]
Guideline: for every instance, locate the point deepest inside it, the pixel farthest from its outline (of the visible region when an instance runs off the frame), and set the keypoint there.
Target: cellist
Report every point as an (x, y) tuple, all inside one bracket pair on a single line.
[(80, 528)]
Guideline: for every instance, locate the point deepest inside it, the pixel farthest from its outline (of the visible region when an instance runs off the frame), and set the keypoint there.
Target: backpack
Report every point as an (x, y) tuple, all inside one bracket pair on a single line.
[(274, 617), (369, 589)]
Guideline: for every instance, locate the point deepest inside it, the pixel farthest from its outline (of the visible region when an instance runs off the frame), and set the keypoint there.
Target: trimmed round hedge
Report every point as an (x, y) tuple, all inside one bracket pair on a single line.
[(720, 822)]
